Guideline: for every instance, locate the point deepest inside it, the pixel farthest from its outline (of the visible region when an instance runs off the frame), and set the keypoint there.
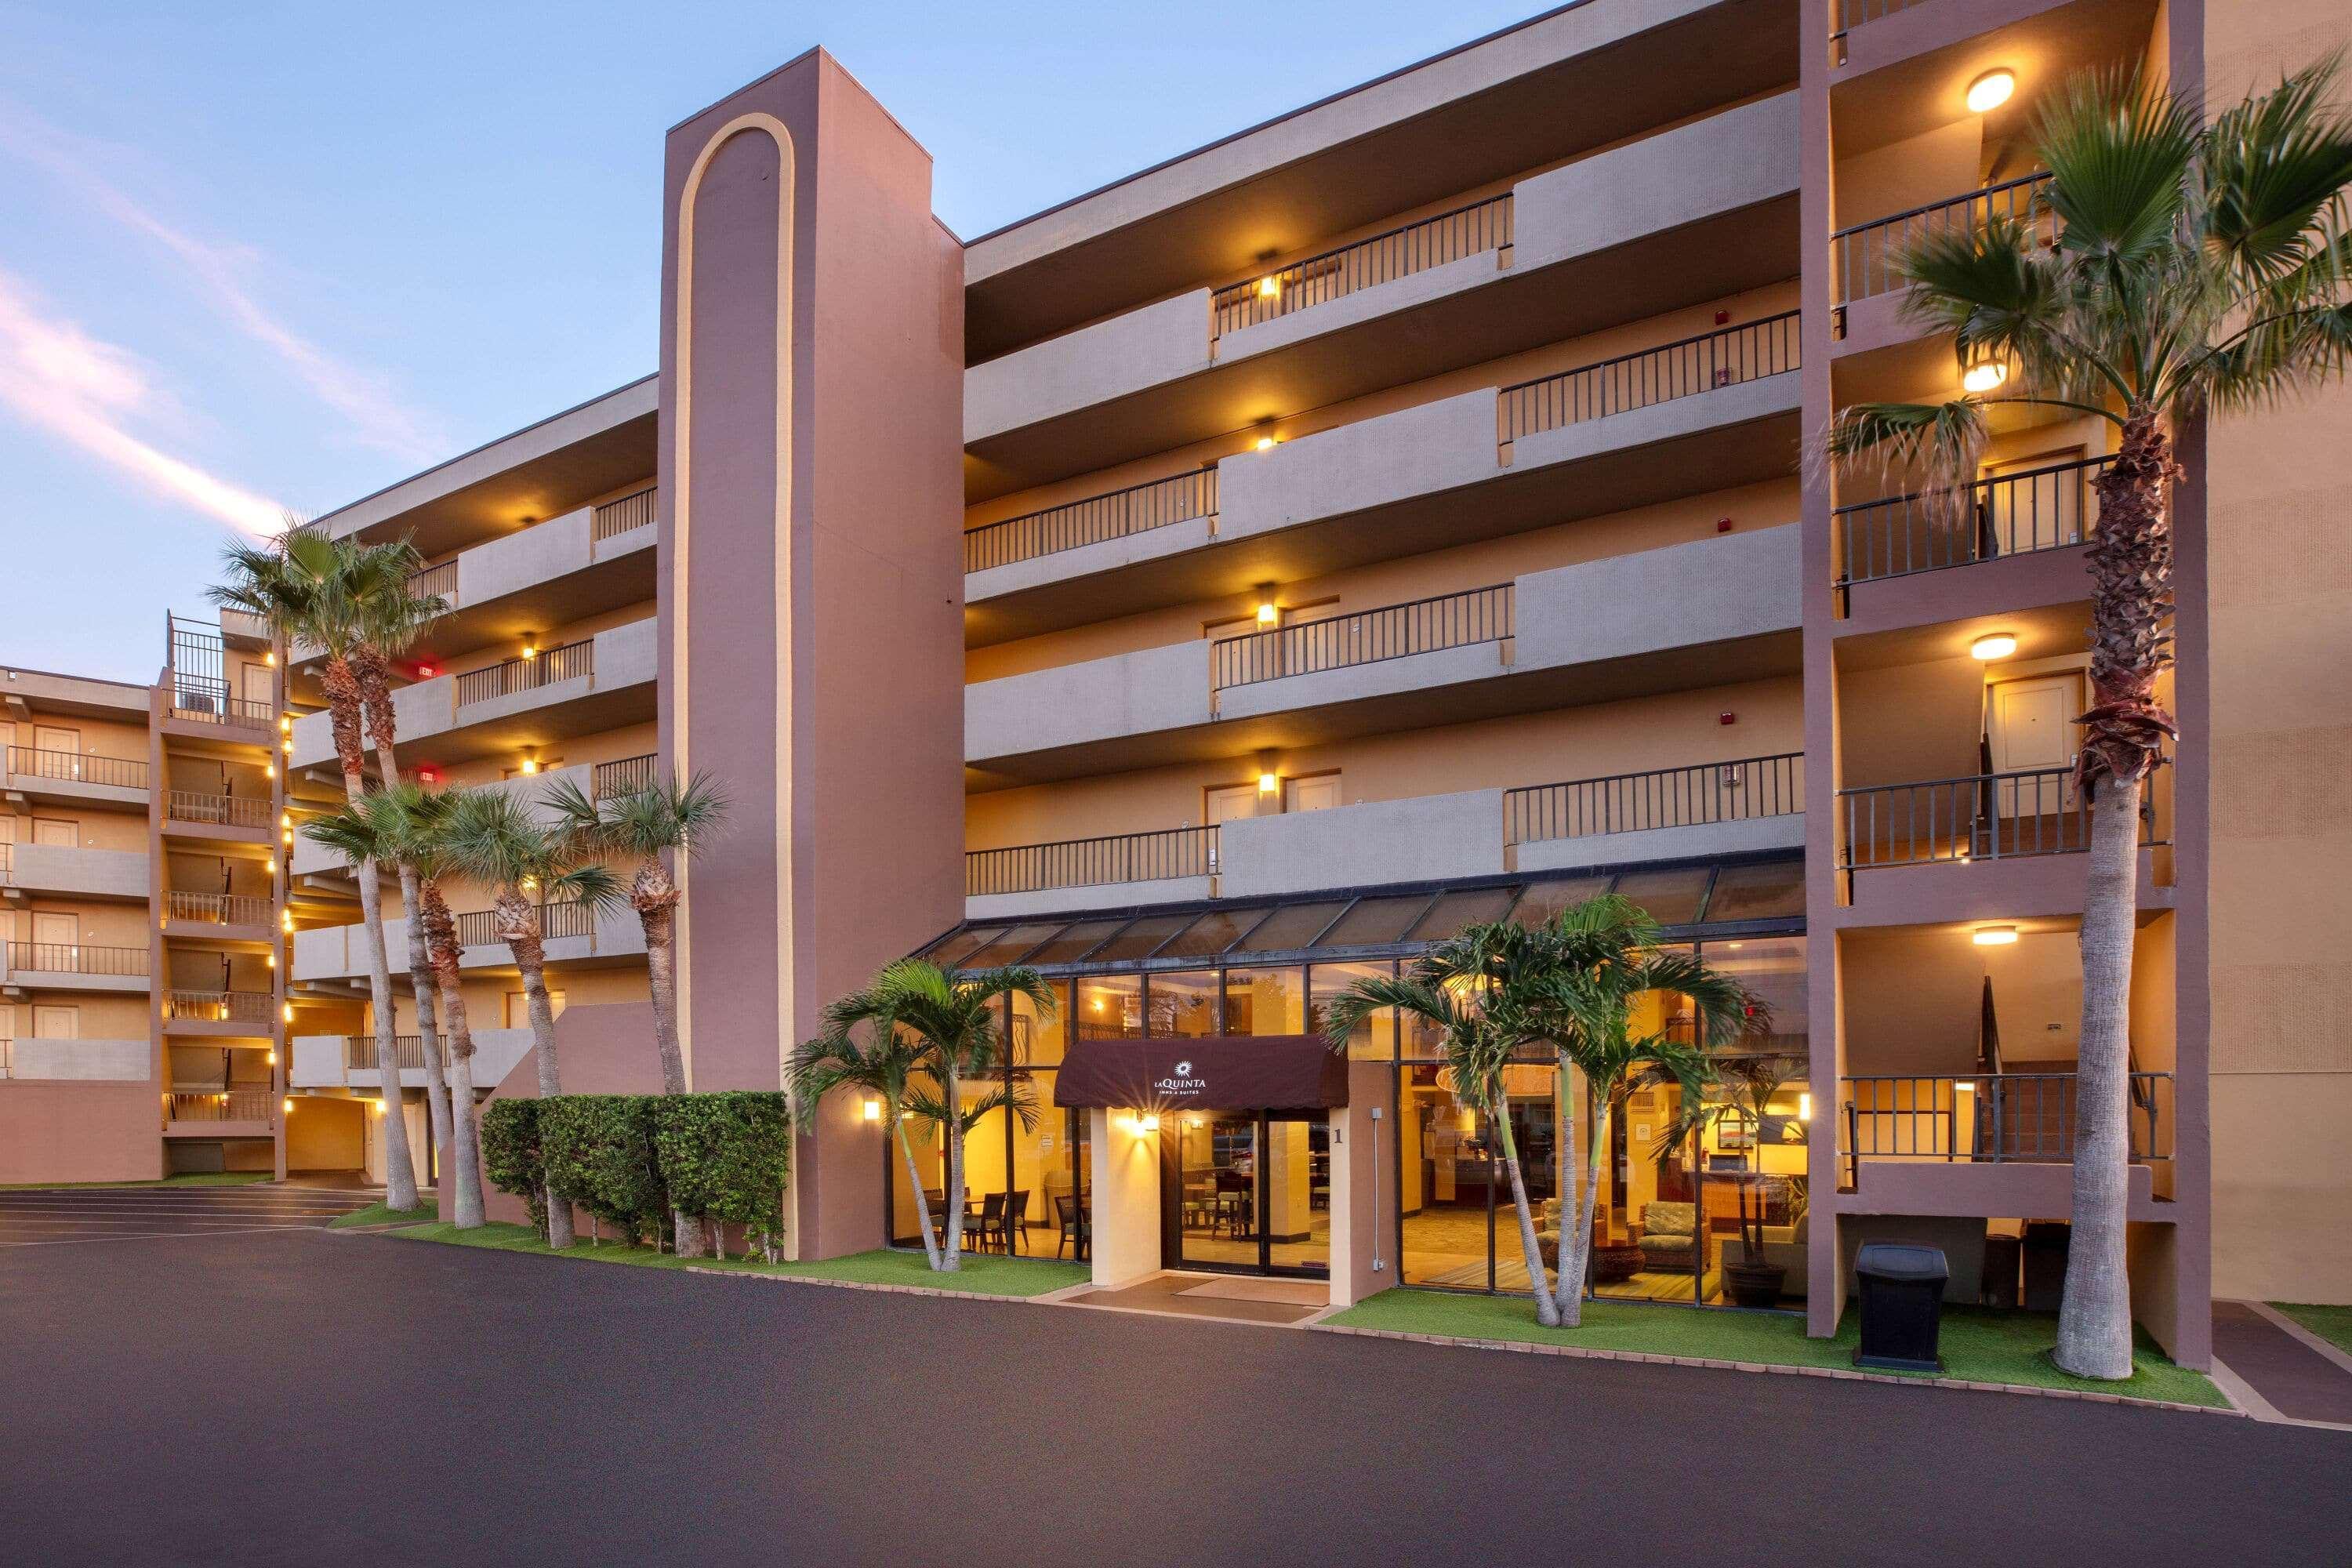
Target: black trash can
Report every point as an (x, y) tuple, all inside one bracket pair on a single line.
[(1902, 1289)]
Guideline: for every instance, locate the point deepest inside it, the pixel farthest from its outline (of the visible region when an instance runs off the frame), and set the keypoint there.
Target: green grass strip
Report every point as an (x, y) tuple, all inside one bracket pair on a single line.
[(1978, 1346), (187, 1179), (382, 1213), (982, 1274), (2332, 1324)]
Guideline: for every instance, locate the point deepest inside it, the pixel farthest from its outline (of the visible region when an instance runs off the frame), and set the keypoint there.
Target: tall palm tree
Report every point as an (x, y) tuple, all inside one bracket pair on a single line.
[(491, 837), (307, 587), (879, 1065), (2195, 267), (954, 1024), (406, 823), (661, 821)]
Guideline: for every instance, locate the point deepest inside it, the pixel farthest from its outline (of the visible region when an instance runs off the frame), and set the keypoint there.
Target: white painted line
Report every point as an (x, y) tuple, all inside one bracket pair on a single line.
[(31, 1214), (2333, 1352), (157, 1236)]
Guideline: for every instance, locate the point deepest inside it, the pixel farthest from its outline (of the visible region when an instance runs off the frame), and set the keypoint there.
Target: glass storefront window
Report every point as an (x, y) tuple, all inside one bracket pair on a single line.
[(1473, 906), (1009, 948), (1670, 897), (1265, 1001), (1075, 942), (1371, 922), (1546, 897), (1211, 933), (1182, 1002), (1037, 1040), (1110, 1007), (1375, 1039), (1773, 890)]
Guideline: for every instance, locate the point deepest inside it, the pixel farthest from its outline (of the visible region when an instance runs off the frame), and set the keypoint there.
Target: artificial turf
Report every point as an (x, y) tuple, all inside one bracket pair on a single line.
[(382, 1213), (982, 1274), (1978, 1346), (187, 1179), (2332, 1324)]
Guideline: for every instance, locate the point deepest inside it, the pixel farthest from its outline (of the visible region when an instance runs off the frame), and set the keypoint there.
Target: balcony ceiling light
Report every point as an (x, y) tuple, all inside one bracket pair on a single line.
[(1267, 784), (1992, 646), (1269, 287), (1994, 936), (1990, 91), (1264, 444), (1984, 377), (1268, 613)]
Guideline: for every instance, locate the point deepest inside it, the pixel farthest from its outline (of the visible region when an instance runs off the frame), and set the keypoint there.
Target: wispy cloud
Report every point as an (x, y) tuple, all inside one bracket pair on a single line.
[(58, 377), (376, 417)]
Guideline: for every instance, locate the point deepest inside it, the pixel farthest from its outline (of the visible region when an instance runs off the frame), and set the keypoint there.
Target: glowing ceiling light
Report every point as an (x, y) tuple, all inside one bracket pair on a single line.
[(1992, 646), (1993, 936), (1269, 287), (1984, 377), (1990, 91), (1267, 784)]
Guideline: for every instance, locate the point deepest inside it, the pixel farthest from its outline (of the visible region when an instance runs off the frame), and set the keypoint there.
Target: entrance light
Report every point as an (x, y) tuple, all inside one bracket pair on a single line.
[(1990, 91), (1984, 377), (1146, 1123), (1992, 646), (873, 1110), (1994, 936)]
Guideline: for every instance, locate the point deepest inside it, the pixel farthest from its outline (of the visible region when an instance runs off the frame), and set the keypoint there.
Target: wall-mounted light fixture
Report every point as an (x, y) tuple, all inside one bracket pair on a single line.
[(1269, 286), (1804, 1108), (873, 1110), (289, 1105), (1985, 375), (1994, 936), (1992, 646), (285, 920), (1267, 784), (285, 1012), (530, 645), (529, 762), (1269, 614), (1146, 1123), (287, 745), (270, 658), (1990, 91), (286, 723)]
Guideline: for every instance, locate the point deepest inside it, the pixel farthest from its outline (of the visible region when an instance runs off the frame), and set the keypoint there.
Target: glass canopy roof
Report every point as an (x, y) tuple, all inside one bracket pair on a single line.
[(1755, 895)]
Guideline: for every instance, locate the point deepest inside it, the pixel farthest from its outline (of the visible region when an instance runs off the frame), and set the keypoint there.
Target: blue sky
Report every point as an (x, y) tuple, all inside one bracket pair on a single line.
[(258, 257)]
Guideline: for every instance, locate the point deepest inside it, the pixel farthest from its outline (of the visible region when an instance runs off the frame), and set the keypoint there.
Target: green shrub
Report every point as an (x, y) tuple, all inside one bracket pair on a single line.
[(725, 1155), (598, 1151), (512, 1156)]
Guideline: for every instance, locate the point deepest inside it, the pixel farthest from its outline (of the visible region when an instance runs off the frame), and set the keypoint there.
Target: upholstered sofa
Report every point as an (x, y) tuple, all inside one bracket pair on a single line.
[(1669, 1237), (1785, 1244)]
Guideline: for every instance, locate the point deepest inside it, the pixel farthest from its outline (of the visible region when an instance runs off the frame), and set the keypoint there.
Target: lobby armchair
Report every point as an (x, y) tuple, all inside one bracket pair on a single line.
[(1670, 1238)]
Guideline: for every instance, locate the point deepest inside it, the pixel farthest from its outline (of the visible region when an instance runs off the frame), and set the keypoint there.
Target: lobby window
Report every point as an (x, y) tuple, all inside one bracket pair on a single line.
[(1182, 1002), (1266, 1001)]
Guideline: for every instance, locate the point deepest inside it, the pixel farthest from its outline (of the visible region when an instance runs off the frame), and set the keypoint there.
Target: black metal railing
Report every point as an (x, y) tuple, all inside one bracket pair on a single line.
[(1990, 1117), (1398, 253), (624, 516), (1369, 637), (1978, 816), (546, 667), (216, 909), (1847, 14), (237, 1105), (73, 767), (437, 582), (7, 859), (1663, 797), (625, 775), (1722, 358), (1138, 509), (205, 1006), (1926, 531), (481, 926), (77, 958), (359, 1051), (1092, 862), (217, 810), (203, 706), (1867, 253)]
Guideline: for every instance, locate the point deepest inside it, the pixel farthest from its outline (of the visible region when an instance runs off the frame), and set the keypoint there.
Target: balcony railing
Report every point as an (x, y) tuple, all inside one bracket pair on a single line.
[(217, 810), (437, 581), (203, 1006), (1138, 509), (478, 927), (77, 958), (236, 1105), (550, 665), (201, 706), (1091, 862), (624, 516), (1665, 797), (1847, 14), (1369, 637), (1868, 252), (2014, 514), (359, 1051), (1987, 1117), (1980, 816), (7, 859), (1384, 257), (216, 909), (72, 767), (625, 776), (1723, 358)]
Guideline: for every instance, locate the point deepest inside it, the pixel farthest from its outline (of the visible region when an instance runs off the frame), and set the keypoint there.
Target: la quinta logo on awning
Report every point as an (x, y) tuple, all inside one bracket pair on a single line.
[(1182, 1082)]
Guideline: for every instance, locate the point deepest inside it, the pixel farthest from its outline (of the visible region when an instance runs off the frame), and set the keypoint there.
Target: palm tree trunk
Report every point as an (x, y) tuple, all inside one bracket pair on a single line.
[(915, 1179), (467, 1145), (376, 696), (656, 902), (1571, 1297), (952, 1198), (1546, 1304), (520, 924), (2095, 1316)]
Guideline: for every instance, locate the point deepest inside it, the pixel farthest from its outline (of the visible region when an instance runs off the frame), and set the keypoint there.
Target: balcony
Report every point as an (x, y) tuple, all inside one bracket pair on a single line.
[(68, 872), (327, 1061), (603, 781), (329, 956), (1710, 411), (2022, 534), (1699, 212), (237, 1113), (236, 916), (1589, 633), (598, 683), (199, 707), (42, 1060), (76, 966), (240, 1014), (1992, 1143), (71, 778), (1671, 813), (251, 819)]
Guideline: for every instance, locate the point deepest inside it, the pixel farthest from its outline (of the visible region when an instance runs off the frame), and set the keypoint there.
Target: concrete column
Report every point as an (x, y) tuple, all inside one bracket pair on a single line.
[(1364, 1213), (1289, 1183), (1126, 1202)]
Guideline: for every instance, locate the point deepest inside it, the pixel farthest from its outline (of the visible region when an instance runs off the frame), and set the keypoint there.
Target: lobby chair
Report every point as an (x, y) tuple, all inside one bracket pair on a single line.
[(992, 1220), (1077, 1233), (1670, 1238)]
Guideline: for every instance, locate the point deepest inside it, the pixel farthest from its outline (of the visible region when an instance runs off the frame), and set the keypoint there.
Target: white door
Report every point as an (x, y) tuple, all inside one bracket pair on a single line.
[(1224, 806), (56, 942), (47, 738), (260, 688), (2039, 513), (53, 831), (1318, 794), (57, 1023), (2030, 730)]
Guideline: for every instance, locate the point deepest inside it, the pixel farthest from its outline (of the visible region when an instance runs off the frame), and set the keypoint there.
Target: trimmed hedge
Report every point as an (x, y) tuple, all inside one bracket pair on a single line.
[(632, 1159)]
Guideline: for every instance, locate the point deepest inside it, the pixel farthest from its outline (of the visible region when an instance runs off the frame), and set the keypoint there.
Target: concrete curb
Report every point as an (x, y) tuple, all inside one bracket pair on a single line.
[(1041, 1299), (1843, 1374)]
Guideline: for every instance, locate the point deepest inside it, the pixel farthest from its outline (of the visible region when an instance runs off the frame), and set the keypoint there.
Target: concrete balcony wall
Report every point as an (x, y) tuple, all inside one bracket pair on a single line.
[(1435, 446), (41, 688), (526, 558), (1126, 694), (1356, 682), (90, 873), (311, 859), (1710, 590), (1428, 837), (1730, 161), (1661, 844), (1094, 896), (315, 1061), (1094, 365), (81, 1061), (340, 952)]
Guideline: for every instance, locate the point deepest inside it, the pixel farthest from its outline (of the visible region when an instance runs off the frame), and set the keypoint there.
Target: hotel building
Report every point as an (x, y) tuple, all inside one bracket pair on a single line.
[(1392, 515)]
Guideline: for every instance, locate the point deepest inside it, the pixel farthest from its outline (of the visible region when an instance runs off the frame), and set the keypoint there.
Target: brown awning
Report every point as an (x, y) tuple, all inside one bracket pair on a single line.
[(1224, 1072)]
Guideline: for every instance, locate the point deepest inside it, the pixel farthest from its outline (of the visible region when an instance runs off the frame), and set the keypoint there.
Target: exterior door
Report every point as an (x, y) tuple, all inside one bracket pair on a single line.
[(56, 942), (1246, 1193), (2031, 732), (55, 833), (2039, 513), (57, 1023), (1225, 805), (47, 738), (1318, 794), (260, 688)]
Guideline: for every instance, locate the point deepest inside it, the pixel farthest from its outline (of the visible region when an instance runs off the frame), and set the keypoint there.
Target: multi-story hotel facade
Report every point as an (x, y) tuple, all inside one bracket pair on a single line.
[(1396, 515)]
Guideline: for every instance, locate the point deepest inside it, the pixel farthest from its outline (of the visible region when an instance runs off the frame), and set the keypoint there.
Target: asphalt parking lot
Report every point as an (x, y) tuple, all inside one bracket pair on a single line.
[(67, 1216)]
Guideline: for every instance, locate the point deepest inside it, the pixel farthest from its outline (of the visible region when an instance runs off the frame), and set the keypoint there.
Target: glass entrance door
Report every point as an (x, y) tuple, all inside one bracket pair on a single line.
[(1248, 1193)]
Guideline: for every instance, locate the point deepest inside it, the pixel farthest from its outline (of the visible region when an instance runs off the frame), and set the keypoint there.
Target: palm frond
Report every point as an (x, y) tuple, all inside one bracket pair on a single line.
[(2119, 149), (2274, 170), (1943, 442)]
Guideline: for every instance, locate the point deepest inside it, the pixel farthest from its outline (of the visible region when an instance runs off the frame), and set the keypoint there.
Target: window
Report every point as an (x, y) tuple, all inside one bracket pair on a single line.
[(518, 1008)]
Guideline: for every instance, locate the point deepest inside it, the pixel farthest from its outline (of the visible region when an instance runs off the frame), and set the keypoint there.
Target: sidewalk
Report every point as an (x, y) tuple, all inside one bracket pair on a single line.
[(2277, 1368)]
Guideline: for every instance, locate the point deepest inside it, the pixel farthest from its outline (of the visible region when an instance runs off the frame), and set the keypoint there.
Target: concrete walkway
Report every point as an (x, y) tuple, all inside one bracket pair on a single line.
[(2277, 1370)]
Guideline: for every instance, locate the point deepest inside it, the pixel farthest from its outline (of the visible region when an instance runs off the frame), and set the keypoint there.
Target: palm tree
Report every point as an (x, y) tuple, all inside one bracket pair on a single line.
[(2195, 267), (953, 1021), (405, 824), (880, 1066), (662, 819), (307, 587), (491, 837)]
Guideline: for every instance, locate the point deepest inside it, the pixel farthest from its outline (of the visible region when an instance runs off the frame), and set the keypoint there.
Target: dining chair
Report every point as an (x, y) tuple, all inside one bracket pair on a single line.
[(991, 1218)]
